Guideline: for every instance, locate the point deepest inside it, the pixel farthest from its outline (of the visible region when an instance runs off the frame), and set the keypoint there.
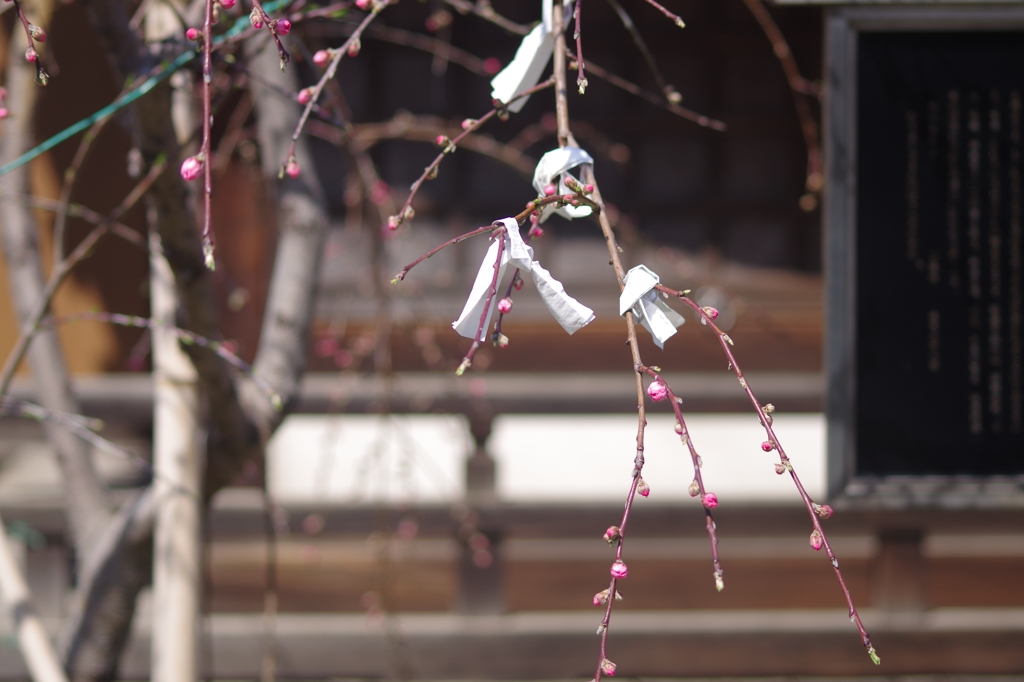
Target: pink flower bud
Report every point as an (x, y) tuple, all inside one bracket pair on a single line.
[(588, 189), (492, 65), (283, 27), (710, 500), (679, 428), (567, 197), (767, 446), (192, 34), (822, 510), (3, 112), (643, 488), (619, 569), (322, 57), (710, 312), (227, 4), (549, 190), (363, 4), (505, 305), (354, 47), (612, 534), (657, 390), (393, 222), (305, 95), (816, 540), (608, 668), (191, 168), (30, 54), (468, 123), (537, 231), (255, 18), (694, 488), (292, 168), (442, 140), (601, 598), (780, 468), (518, 285), (37, 33)]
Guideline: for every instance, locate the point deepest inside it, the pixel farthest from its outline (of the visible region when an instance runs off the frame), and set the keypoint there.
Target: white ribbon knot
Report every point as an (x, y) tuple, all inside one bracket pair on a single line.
[(555, 166), (640, 296), (524, 71), (570, 313)]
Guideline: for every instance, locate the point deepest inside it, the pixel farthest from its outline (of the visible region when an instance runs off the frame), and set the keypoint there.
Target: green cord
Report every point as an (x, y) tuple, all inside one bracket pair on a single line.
[(130, 97)]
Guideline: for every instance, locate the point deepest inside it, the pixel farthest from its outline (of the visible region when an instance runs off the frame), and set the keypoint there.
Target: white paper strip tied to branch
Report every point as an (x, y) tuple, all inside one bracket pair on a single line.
[(640, 296), (570, 313), (524, 71), (555, 165)]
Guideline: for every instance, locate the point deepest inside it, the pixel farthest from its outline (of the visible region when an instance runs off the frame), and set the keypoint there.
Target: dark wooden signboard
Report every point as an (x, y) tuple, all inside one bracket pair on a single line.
[(938, 281)]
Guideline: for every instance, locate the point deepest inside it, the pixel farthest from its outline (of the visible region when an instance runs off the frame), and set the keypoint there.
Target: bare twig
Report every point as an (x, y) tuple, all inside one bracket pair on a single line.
[(484, 10), (815, 511), (674, 17), (801, 89)]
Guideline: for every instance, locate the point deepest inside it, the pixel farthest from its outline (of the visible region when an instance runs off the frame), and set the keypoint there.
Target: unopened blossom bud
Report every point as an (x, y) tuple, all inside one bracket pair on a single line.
[(780, 468), (31, 55), (588, 189), (409, 213), (549, 190), (227, 4), (322, 57), (255, 18), (619, 569), (767, 446), (192, 34), (601, 598), (612, 534), (442, 140), (657, 390), (643, 488), (608, 668), (694, 488), (469, 123), (3, 112), (816, 540), (37, 33), (292, 168), (393, 222), (501, 341), (505, 305), (567, 197), (191, 168), (537, 231), (283, 27), (305, 95), (768, 408), (518, 284), (822, 510), (679, 428), (710, 312), (710, 500), (354, 47), (363, 4)]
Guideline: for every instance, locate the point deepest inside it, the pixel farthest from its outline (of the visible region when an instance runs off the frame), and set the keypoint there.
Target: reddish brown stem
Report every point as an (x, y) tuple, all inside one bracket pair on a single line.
[(684, 435), (205, 150), (581, 79), (430, 171), (726, 343)]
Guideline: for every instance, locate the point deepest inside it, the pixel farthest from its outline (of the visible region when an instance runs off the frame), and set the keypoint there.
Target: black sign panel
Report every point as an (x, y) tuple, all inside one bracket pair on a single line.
[(939, 246)]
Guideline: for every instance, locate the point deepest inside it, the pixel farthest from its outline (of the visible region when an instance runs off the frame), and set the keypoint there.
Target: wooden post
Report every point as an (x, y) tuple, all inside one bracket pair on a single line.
[(480, 582)]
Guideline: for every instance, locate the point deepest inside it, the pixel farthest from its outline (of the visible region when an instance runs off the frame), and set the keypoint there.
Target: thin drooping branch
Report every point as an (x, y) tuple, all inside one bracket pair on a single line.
[(581, 80), (205, 150), (801, 89), (817, 512), (641, 45), (676, 19)]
